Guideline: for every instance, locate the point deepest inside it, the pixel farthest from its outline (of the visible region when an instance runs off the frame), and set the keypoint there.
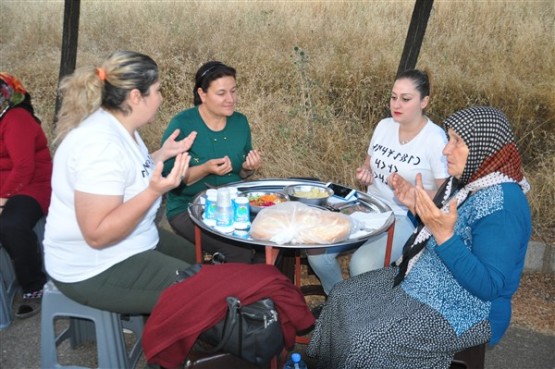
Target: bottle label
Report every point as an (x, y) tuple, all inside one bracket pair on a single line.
[(242, 213), (224, 219), (210, 209)]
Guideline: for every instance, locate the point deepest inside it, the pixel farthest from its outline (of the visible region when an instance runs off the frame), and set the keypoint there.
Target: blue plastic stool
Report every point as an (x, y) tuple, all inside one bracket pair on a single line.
[(107, 331)]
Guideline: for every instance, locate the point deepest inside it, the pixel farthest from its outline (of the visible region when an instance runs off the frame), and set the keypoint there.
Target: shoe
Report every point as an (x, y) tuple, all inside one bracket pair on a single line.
[(30, 305)]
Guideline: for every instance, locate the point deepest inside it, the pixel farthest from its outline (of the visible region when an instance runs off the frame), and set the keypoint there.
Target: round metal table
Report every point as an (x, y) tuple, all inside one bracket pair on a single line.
[(196, 209)]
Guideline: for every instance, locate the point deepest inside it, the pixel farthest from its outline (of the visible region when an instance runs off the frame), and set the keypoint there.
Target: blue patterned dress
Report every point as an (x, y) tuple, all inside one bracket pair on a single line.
[(455, 296)]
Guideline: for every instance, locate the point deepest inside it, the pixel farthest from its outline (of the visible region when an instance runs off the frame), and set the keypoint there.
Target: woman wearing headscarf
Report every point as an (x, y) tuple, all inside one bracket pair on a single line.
[(453, 285), (25, 172)]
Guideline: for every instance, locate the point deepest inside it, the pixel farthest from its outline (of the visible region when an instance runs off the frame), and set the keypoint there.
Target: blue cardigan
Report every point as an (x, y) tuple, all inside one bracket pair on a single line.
[(473, 275)]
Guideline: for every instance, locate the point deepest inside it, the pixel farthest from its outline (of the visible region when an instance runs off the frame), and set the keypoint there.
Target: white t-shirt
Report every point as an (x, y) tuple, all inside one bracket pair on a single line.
[(98, 157), (423, 154)]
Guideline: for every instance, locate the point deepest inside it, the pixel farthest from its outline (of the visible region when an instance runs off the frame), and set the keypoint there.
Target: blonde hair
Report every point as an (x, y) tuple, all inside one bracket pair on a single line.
[(89, 88)]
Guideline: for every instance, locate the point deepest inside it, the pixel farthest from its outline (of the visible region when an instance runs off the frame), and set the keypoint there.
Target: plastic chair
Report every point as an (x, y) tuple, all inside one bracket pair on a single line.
[(107, 331), (8, 281), (8, 288)]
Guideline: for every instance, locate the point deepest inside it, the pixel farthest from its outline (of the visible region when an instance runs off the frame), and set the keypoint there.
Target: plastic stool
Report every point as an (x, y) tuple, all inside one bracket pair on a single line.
[(108, 331), (8, 288), (8, 281)]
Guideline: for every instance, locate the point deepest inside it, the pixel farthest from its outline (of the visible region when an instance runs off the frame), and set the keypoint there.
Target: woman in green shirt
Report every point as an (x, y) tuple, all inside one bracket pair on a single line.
[(222, 153)]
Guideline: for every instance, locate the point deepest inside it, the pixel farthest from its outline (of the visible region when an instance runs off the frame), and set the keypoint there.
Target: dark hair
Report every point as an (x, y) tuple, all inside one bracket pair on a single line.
[(126, 71), (27, 105), (420, 79), (207, 73)]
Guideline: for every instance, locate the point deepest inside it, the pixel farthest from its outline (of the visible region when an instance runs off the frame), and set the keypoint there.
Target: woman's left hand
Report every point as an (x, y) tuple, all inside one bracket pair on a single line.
[(171, 147), (253, 161), (160, 184), (440, 224)]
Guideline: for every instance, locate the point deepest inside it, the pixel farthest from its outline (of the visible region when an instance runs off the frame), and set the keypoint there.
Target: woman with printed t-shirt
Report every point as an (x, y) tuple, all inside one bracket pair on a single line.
[(403, 145)]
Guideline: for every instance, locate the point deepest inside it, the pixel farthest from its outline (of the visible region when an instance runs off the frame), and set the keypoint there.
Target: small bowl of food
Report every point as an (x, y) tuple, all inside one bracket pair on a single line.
[(259, 200), (309, 194)]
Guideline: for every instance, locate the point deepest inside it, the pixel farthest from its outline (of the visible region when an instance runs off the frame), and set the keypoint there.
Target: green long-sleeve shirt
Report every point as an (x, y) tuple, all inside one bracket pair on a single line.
[(234, 141)]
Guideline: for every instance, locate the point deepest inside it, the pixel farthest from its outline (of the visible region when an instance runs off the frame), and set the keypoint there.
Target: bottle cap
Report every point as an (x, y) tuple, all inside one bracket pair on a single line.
[(296, 357), (223, 197), (242, 200)]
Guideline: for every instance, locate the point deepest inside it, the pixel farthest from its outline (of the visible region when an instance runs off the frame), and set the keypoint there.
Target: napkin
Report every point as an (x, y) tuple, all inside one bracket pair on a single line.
[(367, 222)]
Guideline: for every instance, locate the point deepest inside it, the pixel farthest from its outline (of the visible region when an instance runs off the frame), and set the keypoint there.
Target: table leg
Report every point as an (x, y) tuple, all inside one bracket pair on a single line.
[(298, 268), (271, 254), (198, 245), (389, 245)]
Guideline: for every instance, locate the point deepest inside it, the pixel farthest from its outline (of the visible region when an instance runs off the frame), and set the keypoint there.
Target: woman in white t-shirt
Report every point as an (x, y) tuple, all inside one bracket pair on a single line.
[(401, 146), (102, 247)]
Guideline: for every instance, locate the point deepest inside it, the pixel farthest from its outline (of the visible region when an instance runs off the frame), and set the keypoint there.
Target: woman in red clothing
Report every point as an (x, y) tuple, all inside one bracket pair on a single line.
[(25, 172)]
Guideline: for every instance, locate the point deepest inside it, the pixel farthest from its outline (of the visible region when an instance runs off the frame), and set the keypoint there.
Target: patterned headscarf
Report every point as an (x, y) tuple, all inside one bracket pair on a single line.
[(493, 158), (491, 144), (12, 91), (12, 94)]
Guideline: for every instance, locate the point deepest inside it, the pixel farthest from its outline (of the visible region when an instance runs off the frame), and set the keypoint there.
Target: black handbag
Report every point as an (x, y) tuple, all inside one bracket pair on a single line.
[(251, 332)]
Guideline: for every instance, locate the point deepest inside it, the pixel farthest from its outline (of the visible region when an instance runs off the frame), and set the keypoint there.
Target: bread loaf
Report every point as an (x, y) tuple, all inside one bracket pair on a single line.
[(297, 223)]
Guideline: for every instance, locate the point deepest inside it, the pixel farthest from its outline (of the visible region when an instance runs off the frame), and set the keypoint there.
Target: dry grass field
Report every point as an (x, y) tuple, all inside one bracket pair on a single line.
[(314, 76)]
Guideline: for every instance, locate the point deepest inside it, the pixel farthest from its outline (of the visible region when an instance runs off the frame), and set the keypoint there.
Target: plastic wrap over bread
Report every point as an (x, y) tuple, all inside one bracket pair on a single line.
[(293, 222)]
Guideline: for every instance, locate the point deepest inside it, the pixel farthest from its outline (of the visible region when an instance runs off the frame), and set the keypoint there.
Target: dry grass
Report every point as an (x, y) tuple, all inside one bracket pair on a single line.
[(312, 114)]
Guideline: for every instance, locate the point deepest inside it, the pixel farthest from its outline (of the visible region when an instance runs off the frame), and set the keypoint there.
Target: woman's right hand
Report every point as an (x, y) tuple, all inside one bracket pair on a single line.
[(364, 176), (441, 224), (404, 191)]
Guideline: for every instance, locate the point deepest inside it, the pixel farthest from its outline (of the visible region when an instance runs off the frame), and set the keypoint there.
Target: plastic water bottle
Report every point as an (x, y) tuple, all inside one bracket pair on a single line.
[(233, 193), (241, 218), (224, 212), (209, 215), (295, 362)]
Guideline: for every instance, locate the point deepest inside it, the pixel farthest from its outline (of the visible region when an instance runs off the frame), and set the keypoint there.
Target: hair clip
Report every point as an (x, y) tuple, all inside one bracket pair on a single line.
[(101, 73)]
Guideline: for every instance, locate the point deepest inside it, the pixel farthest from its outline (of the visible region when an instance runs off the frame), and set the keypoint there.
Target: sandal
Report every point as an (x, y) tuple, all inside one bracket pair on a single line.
[(30, 305)]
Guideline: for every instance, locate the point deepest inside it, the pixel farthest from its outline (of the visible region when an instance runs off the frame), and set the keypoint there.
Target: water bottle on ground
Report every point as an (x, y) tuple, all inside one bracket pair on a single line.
[(295, 362)]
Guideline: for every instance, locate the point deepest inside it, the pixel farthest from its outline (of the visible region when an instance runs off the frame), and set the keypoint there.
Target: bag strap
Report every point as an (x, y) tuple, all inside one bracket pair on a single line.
[(232, 318)]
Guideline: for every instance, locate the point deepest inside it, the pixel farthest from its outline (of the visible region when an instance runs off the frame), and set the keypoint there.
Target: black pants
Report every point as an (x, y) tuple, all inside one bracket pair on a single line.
[(17, 220), (234, 252)]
